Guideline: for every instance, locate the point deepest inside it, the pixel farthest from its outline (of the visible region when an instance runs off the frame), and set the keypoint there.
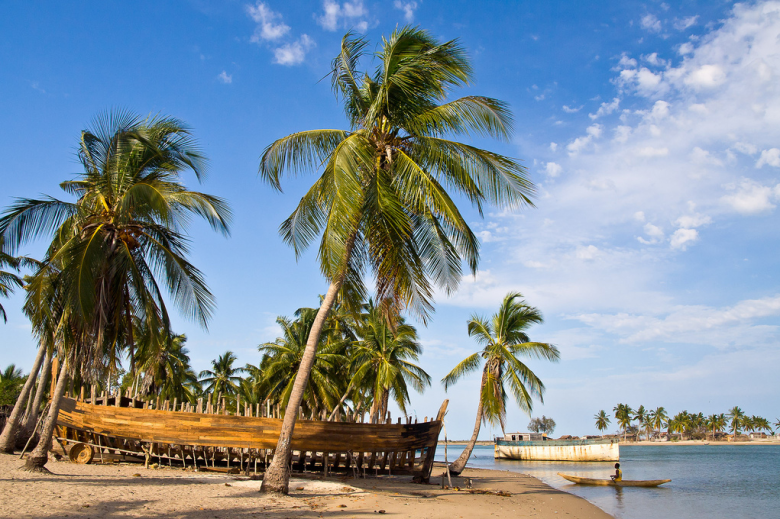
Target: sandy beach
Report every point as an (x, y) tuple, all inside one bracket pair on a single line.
[(129, 490)]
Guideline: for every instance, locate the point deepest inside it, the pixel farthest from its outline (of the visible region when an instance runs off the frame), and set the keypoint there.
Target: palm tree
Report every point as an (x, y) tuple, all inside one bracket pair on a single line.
[(11, 380), (716, 423), (503, 340), (380, 203), (222, 378), (777, 424), (640, 415), (735, 418), (602, 421), (623, 416), (383, 359), (165, 365), (658, 418), (282, 359), (122, 239), (682, 423), (761, 424)]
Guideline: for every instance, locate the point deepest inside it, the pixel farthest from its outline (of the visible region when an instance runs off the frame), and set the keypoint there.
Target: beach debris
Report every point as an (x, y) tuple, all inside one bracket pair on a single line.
[(380, 511), (502, 493), (136, 475)]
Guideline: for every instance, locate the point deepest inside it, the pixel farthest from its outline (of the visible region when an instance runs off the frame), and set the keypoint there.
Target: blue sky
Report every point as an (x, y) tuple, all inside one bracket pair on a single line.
[(651, 130)]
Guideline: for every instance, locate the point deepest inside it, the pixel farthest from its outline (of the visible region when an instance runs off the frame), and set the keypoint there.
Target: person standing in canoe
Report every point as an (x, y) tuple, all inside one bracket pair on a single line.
[(618, 473)]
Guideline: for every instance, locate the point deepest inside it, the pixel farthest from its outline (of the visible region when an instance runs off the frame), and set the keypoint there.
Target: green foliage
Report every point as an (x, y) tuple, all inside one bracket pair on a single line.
[(121, 240), (11, 381), (602, 420), (381, 203), (503, 339), (222, 377)]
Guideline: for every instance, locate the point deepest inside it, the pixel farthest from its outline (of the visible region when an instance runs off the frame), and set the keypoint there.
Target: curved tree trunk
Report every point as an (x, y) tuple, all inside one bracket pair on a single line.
[(277, 477), (8, 438), (459, 464), (40, 455), (341, 402), (32, 419)]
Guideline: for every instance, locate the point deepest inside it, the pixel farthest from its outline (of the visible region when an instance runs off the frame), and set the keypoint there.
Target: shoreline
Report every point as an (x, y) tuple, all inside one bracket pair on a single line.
[(129, 490), (645, 443)]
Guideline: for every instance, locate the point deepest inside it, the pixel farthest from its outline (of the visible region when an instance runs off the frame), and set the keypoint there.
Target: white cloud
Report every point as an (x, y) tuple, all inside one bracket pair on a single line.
[(649, 151), (653, 59), (706, 76), (626, 62), (746, 148), (683, 237), (553, 146), (569, 110), (337, 15), (751, 197), (683, 23), (552, 169), (580, 143), (698, 324), (639, 216), (693, 220), (703, 157), (622, 133), (225, 77), (655, 235), (606, 109), (408, 9), (269, 23), (293, 53), (770, 157), (685, 48), (651, 23), (587, 253)]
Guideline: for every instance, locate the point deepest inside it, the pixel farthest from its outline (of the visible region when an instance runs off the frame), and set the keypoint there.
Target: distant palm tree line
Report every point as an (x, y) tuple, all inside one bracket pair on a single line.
[(694, 426)]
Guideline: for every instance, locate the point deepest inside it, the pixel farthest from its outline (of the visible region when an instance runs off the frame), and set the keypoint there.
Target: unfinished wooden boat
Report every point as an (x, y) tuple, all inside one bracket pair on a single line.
[(612, 483), (202, 439)]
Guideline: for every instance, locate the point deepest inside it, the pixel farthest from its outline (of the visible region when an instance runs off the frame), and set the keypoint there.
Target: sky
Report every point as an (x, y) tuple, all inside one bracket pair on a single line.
[(650, 129)]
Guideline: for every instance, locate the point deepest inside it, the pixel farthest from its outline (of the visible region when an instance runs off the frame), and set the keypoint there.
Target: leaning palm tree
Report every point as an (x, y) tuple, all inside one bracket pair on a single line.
[(383, 359), (222, 378), (121, 243), (735, 417), (503, 339), (380, 202), (602, 420)]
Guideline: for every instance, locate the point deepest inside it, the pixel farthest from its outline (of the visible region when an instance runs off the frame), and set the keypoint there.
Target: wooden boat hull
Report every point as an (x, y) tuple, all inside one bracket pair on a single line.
[(558, 450), (398, 448), (611, 483)]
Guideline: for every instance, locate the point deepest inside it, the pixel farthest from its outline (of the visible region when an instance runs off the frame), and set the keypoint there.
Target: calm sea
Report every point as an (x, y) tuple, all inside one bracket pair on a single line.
[(728, 481)]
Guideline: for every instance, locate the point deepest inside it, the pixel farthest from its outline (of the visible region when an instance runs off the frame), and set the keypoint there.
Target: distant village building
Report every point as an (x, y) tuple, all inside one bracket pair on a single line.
[(524, 436)]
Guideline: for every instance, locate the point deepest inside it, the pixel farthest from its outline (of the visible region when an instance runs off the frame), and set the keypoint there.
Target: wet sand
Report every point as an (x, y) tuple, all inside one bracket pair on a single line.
[(129, 490)]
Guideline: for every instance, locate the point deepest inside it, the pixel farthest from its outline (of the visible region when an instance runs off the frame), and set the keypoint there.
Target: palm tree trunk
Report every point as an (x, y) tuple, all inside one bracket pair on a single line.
[(40, 455), (8, 438), (341, 402), (277, 477), (32, 418), (459, 464)]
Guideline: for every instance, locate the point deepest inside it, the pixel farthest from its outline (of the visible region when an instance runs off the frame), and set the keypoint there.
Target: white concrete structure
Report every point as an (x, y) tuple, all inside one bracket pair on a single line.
[(551, 450)]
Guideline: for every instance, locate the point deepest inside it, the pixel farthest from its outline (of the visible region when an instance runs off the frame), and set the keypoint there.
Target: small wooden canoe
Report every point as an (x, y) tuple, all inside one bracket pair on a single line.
[(611, 483)]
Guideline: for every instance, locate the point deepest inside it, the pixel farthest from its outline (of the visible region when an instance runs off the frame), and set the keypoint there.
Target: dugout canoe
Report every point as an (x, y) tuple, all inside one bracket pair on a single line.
[(611, 483), (205, 439)]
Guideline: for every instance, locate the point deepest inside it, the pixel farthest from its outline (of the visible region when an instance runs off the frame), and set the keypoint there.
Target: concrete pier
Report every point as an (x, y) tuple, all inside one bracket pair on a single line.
[(552, 450)]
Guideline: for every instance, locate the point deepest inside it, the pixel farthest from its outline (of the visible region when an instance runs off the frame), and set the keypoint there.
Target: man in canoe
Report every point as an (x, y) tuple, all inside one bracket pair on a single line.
[(618, 473)]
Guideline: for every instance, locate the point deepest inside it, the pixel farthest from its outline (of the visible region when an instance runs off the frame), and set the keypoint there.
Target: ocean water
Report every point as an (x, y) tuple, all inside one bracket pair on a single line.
[(724, 481)]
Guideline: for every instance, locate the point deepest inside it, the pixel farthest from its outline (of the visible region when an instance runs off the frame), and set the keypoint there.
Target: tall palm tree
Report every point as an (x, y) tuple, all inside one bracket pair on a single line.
[(735, 417), (503, 339), (383, 358), (623, 415), (123, 238), (164, 366), (716, 423), (222, 377), (682, 423), (282, 359), (658, 418), (761, 424), (602, 421), (380, 203), (640, 415)]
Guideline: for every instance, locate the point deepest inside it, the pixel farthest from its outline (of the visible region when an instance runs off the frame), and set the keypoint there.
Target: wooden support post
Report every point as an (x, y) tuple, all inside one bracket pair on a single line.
[(81, 394), (92, 393), (200, 405)]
